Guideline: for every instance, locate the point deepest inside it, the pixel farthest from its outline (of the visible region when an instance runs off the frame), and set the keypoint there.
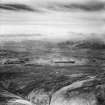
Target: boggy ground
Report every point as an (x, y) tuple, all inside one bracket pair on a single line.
[(55, 85), (44, 85)]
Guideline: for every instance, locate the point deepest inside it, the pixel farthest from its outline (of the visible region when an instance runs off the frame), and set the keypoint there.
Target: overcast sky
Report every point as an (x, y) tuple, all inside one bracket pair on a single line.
[(51, 19)]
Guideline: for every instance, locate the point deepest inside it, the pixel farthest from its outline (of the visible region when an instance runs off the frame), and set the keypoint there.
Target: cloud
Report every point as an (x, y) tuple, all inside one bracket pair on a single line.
[(96, 6), (15, 1), (87, 7), (40, 1), (44, 6), (18, 7)]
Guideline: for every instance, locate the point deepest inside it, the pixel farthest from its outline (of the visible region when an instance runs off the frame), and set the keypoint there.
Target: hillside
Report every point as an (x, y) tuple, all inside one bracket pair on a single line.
[(48, 53)]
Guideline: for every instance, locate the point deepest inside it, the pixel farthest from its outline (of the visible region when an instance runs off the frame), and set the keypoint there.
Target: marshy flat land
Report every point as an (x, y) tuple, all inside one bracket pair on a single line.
[(51, 70)]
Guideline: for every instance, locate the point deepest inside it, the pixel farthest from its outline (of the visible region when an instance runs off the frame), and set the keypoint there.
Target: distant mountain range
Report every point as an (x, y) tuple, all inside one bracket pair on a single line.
[(31, 45), (27, 45), (45, 52), (93, 44)]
